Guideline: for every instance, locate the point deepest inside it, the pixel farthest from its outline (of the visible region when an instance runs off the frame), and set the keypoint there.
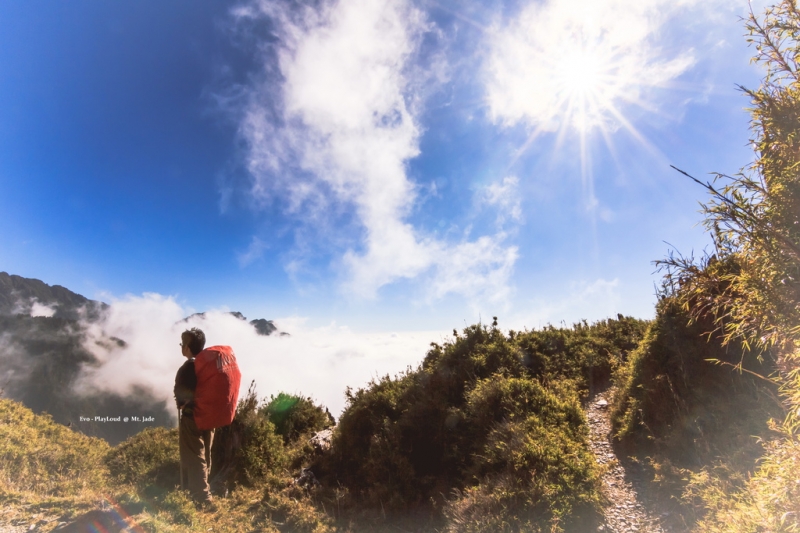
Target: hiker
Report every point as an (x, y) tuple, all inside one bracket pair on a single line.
[(195, 445), (206, 392)]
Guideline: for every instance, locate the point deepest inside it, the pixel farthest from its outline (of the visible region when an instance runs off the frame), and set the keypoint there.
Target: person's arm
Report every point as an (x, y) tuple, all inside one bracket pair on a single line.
[(185, 385)]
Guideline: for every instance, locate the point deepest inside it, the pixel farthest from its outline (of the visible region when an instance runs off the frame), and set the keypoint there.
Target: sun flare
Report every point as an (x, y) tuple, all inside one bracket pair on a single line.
[(579, 67), (587, 85), (582, 70)]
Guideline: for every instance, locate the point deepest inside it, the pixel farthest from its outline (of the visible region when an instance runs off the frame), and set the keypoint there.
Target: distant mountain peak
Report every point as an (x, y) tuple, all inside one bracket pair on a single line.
[(34, 297), (262, 326)]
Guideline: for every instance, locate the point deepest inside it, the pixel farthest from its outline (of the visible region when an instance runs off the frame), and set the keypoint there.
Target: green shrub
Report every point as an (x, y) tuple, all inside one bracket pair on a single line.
[(249, 450), (46, 458), (365, 454), (471, 419), (500, 398), (674, 398), (149, 458), (294, 416), (681, 414), (587, 354), (178, 508), (534, 467)]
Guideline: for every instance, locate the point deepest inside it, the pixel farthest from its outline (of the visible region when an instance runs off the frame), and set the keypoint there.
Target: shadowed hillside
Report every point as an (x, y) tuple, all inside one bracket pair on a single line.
[(18, 295)]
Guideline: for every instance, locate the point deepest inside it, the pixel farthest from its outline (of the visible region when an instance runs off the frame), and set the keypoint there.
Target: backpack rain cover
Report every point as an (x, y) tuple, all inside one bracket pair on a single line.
[(217, 392)]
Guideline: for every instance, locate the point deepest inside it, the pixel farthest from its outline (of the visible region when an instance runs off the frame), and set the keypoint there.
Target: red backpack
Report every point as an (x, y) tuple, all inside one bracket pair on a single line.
[(217, 392)]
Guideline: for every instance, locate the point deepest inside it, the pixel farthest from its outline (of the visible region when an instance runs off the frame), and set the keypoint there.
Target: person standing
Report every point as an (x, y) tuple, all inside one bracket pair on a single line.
[(194, 443)]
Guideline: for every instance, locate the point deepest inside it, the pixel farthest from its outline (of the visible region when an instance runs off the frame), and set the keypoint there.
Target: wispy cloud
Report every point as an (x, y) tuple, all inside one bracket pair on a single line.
[(34, 307), (254, 251), (333, 125), (579, 300), (40, 309), (504, 197)]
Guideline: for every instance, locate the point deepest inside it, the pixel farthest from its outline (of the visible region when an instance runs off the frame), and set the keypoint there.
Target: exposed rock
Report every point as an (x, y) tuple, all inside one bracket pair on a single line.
[(263, 327), (20, 295), (306, 479), (321, 441)]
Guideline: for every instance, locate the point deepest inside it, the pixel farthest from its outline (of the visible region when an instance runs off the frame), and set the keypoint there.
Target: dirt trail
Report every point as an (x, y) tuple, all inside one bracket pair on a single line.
[(625, 512)]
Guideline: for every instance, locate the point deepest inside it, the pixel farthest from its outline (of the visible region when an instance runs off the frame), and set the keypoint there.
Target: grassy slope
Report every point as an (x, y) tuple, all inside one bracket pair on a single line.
[(50, 474)]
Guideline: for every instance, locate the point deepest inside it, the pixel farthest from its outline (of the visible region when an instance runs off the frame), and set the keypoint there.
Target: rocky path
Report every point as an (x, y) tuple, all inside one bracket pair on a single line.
[(625, 513)]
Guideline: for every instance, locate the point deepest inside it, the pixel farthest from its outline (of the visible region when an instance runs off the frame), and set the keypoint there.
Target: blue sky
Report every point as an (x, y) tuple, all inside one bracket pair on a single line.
[(382, 165)]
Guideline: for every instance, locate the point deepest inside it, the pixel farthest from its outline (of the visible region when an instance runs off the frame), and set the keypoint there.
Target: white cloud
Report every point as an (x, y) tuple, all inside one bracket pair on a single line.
[(149, 324), (254, 251), (578, 62), (40, 309), (504, 196), (318, 362), (34, 307), (591, 300), (345, 125), (15, 365)]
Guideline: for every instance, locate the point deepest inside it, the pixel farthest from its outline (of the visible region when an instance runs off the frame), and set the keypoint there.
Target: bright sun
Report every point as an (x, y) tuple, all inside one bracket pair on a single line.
[(581, 70), (587, 85)]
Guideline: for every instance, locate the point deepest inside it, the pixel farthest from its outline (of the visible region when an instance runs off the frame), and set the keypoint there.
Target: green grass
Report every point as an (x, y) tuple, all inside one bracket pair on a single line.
[(149, 458), (768, 500), (42, 457)]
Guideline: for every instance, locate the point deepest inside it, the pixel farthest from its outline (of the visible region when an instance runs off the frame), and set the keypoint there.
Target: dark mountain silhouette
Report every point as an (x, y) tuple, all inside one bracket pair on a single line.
[(262, 326), (17, 295), (265, 327), (41, 359)]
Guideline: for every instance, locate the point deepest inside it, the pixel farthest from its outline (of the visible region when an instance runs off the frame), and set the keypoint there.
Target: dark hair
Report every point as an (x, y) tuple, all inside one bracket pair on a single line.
[(195, 339)]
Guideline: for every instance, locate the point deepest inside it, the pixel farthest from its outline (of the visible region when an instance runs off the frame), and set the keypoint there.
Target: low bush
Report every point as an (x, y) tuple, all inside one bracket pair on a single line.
[(769, 500), (475, 421), (149, 458), (685, 410), (249, 450), (534, 469), (294, 416), (39, 456), (682, 395), (588, 354)]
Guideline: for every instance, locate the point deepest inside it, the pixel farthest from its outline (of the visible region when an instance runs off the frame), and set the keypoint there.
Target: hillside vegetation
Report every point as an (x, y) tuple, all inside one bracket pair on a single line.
[(744, 298), (488, 434)]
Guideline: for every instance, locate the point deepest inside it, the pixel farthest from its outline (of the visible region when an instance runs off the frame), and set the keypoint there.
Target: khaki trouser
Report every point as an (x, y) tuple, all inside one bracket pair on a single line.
[(195, 448)]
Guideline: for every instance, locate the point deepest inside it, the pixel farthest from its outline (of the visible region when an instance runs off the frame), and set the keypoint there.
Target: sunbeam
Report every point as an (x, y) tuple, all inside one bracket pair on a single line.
[(584, 71)]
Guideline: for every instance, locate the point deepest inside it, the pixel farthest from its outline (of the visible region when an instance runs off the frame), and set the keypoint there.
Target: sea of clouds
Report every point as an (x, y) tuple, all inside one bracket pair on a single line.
[(319, 362)]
